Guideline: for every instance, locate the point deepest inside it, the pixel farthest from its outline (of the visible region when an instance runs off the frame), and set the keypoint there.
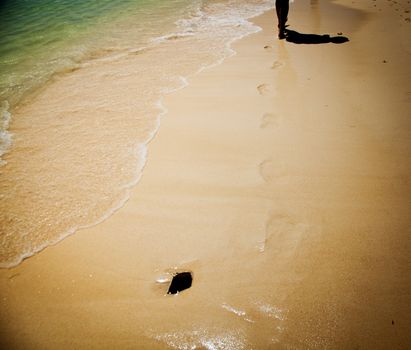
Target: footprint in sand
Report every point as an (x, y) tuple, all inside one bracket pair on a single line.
[(266, 89), (277, 64), (283, 235), (269, 120), (271, 170)]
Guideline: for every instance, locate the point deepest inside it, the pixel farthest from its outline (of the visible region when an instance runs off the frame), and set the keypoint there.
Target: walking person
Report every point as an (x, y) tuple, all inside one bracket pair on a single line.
[(281, 6)]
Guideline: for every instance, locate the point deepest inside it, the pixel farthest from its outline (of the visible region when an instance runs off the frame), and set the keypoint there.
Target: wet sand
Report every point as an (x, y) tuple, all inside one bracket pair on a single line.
[(280, 179)]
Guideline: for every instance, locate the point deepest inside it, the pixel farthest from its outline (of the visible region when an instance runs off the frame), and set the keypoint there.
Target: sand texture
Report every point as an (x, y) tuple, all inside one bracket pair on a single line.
[(281, 179)]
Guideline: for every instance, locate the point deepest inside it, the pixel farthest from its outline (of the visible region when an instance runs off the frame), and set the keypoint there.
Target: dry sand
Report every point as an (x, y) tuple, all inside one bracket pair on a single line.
[(281, 179)]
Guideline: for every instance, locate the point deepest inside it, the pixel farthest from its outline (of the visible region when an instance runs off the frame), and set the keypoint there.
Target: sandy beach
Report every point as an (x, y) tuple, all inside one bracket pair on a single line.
[(280, 178)]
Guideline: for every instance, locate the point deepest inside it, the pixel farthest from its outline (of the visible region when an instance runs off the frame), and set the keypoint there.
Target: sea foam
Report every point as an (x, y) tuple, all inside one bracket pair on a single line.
[(85, 135), (5, 136)]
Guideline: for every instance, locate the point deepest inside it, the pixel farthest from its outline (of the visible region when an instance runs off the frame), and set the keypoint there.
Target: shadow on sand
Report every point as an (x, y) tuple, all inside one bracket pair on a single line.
[(298, 38)]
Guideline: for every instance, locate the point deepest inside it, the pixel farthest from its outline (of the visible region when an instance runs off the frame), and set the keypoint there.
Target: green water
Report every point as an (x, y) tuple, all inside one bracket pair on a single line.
[(73, 151), (41, 37)]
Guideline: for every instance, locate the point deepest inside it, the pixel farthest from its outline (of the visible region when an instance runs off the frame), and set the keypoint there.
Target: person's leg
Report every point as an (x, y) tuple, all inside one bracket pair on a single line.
[(282, 7)]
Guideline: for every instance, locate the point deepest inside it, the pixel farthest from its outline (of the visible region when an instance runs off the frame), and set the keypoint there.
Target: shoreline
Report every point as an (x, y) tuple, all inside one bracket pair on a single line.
[(285, 192), (92, 59), (141, 142), (142, 148)]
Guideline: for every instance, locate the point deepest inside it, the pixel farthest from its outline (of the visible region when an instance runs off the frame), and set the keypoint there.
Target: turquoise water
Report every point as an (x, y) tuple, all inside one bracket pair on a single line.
[(81, 91), (41, 37)]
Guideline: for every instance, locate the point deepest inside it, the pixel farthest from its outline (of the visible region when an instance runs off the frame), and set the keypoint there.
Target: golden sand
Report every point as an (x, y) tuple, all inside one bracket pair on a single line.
[(280, 179)]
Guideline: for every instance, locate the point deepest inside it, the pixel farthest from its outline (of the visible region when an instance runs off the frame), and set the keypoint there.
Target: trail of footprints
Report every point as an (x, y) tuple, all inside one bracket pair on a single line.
[(281, 229), (268, 169), (268, 89)]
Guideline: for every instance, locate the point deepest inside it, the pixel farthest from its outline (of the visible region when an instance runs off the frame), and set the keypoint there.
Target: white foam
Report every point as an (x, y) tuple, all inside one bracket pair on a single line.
[(232, 17), (5, 135), (172, 36)]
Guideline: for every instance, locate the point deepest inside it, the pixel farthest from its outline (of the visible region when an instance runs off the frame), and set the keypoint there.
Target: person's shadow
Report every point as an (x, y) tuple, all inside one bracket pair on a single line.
[(298, 38)]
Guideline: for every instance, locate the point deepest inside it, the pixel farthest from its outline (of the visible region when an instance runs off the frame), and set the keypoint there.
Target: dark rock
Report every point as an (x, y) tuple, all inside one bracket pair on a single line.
[(181, 281)]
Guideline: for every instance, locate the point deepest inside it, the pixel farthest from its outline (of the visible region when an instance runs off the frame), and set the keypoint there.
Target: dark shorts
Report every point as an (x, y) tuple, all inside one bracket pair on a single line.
[(281, 2)]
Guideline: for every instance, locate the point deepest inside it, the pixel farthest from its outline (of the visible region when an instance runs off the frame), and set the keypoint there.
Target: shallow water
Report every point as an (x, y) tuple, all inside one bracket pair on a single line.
[(84, 86), (39, 39)]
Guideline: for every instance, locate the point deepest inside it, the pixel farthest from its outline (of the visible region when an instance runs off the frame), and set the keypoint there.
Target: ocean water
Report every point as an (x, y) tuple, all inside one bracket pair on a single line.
[(81, 85)]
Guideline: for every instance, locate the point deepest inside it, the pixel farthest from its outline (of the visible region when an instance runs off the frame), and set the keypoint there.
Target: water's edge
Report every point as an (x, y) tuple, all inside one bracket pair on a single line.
[(142, 148)]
